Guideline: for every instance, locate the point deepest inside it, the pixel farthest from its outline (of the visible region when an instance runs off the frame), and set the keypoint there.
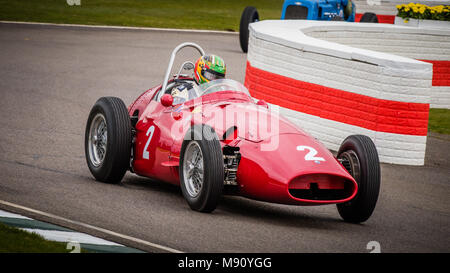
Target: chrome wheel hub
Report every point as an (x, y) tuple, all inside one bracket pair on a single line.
[(98, 139), (350, 161), (193, 169)]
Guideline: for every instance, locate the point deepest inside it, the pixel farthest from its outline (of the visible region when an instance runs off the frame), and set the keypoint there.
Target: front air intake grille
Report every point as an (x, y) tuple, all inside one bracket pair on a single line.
[(315, 193), (296, 12), (321, 187)]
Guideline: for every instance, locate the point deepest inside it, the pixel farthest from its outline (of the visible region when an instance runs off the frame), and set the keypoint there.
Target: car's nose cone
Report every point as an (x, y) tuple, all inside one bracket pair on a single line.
[(270, 168)]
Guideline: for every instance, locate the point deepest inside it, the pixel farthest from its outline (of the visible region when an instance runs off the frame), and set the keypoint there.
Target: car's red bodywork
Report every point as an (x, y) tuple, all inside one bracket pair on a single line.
[(285, 175)]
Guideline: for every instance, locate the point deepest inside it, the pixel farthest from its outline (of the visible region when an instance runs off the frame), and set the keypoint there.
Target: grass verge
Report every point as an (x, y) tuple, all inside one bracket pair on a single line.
[(439, 121), (192, 14), (14, 240)]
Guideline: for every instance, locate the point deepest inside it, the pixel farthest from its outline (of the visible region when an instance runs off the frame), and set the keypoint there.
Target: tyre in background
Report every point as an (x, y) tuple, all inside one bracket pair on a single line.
[(369, 17), (249, 15)]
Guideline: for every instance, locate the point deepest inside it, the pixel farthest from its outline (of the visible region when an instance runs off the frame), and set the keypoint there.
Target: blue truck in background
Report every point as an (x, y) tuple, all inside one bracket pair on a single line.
[(324, 10)]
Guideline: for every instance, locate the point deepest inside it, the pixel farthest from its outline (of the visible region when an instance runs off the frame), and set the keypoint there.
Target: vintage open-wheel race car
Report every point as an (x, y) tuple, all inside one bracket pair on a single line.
[(222, 141)]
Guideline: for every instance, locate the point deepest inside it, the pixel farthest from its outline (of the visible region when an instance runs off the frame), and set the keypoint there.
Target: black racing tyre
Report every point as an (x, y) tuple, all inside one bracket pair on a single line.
[(201, 168), (249, 15), (369, 17), (107, 140), (359, 156)]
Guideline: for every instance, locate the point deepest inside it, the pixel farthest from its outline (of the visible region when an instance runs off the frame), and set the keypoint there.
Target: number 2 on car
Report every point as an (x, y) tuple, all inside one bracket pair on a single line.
[(311, 155), (150, 131)]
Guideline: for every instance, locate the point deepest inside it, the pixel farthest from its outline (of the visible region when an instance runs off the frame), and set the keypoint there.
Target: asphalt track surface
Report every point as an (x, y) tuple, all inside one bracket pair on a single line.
[(51, 76)]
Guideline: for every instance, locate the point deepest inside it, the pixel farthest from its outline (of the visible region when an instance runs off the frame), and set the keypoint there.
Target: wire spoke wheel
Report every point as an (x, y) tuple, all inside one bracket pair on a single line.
[(201, 168), (193, 168), (107, 140), (98, 140)]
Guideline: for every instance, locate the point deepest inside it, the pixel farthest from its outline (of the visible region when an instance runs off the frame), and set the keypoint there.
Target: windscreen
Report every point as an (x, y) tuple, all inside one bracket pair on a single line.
[(222, 85), (189, 91)]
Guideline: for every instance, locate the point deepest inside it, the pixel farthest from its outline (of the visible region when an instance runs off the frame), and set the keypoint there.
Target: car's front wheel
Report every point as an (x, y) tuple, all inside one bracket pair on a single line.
[(201, 168), (108, 140), (359, 156)]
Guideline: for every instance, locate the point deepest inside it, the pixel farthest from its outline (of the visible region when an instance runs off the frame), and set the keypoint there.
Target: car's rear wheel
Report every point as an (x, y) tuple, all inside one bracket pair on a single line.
[(249, 15), (359, 156), (201, 168), (369, 17), (108, 140)]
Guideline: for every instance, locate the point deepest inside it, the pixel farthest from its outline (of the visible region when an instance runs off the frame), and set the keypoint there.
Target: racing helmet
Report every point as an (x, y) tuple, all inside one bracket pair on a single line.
[(209, 68)]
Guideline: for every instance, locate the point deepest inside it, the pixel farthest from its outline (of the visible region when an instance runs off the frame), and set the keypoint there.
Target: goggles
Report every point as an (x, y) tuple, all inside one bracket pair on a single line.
[(211, 75)]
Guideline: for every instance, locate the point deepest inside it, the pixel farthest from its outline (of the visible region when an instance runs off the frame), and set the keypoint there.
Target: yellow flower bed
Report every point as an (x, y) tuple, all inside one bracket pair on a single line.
[(420, 11)]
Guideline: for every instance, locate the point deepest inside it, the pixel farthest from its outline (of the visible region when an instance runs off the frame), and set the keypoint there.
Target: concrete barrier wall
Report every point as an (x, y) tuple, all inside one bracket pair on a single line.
[(431, 46), (334, 90), (385, 10), (382, 7)]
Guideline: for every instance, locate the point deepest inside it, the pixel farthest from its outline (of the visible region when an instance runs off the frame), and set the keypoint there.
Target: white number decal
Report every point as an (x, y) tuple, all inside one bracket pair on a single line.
[(150, 131), (74, 246), (311, 156), (374, 246)]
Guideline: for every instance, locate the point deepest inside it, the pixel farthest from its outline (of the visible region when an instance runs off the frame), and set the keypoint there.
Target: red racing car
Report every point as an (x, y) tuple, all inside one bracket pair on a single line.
[(219, 141)]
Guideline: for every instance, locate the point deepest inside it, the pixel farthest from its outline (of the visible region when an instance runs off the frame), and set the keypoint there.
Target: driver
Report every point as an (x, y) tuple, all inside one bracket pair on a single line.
[(206, 69), (209, 68)]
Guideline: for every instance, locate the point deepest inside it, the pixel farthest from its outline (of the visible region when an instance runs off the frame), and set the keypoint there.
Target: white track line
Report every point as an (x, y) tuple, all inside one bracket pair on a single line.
[(123, 27), (12, 215), (102, 230), (68, 236)]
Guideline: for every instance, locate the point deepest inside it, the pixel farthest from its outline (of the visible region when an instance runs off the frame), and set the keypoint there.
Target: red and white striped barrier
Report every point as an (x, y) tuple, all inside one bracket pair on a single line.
[(333, 90), (428, 45)]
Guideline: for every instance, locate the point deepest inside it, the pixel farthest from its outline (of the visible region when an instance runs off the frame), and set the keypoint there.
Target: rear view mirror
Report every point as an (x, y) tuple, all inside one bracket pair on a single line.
[(188, 66), (167, 100), (263, 103)]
